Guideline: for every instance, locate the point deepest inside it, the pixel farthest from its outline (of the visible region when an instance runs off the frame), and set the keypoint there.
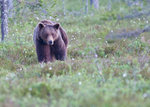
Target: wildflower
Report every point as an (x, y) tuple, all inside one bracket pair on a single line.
[(50, 68), (80, 82)]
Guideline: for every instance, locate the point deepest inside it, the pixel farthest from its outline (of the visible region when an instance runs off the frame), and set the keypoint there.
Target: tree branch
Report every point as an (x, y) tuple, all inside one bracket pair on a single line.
[(125, 35)]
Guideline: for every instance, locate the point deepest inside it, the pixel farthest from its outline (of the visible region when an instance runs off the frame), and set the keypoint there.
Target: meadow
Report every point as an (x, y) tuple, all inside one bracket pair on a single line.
[(97, 72)]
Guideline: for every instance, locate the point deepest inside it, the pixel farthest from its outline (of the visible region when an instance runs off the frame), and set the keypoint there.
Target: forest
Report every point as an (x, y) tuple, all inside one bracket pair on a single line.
[(108, 55)]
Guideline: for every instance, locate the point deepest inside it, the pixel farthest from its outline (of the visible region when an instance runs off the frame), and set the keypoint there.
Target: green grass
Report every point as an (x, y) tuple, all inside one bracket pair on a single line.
[(97, 73)]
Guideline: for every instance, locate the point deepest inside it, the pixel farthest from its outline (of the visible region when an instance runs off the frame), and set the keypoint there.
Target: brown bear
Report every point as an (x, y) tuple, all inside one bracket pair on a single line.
[(51, 41)]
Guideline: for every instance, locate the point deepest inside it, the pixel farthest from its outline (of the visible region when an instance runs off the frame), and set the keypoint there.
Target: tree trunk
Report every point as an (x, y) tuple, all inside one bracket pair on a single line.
[(91, 2), (64, 11), (10, 7), (86, 7), (96, 4), (109, 5), (4, 19)]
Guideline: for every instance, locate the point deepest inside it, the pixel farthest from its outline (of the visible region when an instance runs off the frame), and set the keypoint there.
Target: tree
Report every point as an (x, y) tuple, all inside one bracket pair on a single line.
[(10, 7), (86, 7), (64, 12), (4, 19), (95, 3)]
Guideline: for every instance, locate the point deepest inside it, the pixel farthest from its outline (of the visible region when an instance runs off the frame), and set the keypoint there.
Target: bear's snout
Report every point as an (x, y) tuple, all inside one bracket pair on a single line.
[(50, 42)]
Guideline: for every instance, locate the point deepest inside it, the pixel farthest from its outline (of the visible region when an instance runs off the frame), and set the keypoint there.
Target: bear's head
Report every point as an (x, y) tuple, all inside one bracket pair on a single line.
[(48, 33)]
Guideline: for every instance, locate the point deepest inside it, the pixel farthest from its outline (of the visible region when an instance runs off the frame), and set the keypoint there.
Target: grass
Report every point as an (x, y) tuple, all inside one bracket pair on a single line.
[(96, 73)]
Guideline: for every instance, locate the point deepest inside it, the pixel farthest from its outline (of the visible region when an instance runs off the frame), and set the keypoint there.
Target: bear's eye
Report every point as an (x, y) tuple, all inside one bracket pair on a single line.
[(52, 34), (46, 35)]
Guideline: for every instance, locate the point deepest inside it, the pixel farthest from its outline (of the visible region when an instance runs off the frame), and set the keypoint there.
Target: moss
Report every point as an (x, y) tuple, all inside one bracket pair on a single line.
[(7, 64), (41, 90), (57, 68), (100, 52), (145, 72)]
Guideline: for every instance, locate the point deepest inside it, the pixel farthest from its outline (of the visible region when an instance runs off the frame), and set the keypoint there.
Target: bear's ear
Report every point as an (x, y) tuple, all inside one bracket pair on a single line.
[(41, 25), (56, 26)]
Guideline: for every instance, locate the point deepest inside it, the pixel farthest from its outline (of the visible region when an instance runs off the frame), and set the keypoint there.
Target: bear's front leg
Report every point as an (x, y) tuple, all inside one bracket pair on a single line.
[(59, 49), (43, 52), (60, 55)]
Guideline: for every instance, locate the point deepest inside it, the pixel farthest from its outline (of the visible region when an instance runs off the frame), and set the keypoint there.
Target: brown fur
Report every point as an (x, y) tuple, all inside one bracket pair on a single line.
[(51, 41)]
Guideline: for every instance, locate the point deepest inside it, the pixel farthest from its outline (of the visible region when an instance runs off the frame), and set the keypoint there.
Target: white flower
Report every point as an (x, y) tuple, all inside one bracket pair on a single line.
[(30, 89), (111, 31), (37, 18), (50, 68), (42, 65), (96, 55), (50, 17), (80, 82), (57, 19), (145, 95), (21, 69), (124, 75)]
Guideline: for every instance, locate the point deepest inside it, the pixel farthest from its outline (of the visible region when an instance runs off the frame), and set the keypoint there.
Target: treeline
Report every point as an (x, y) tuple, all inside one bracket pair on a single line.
[(21, 9)]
